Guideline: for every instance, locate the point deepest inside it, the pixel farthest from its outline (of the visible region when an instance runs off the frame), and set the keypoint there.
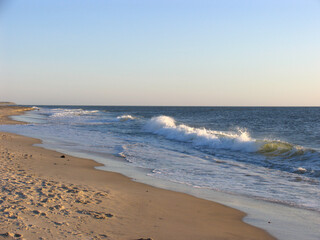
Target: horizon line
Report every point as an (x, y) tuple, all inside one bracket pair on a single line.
[(121, 105)]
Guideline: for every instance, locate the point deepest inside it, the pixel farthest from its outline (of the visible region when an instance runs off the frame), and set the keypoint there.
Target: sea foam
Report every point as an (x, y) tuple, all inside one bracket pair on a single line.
[(71, 112), (125, 117), (166, 126), (239, 140)]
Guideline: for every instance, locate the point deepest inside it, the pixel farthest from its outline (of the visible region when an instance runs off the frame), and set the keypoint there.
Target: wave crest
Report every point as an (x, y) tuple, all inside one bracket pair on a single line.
[(126, 117), (167, 127), (238, 140), (62, 112)]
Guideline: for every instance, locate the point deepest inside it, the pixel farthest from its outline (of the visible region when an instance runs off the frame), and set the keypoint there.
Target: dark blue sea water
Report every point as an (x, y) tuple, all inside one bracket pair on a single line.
[(261, 152)]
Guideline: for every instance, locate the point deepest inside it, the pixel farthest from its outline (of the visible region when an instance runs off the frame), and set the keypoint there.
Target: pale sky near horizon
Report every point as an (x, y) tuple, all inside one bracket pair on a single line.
[(160, 52)]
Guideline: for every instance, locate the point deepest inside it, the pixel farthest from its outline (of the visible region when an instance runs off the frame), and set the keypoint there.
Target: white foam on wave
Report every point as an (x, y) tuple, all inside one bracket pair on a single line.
[(301, 170), (125, 117), (239, 140), (167, 127), (62, 112)]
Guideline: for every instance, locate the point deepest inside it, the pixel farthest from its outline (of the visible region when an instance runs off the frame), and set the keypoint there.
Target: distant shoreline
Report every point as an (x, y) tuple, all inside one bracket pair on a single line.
[(7, 103)]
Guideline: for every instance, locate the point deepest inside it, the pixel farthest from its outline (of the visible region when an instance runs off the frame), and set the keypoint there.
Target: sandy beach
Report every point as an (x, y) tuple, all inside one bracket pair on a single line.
[(48, 195)]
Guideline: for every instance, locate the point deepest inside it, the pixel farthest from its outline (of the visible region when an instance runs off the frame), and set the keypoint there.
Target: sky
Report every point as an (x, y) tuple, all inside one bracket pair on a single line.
[(160, 52)]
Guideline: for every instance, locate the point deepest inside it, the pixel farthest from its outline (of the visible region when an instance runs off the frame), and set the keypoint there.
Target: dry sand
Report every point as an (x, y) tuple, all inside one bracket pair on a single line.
[(47, 195)]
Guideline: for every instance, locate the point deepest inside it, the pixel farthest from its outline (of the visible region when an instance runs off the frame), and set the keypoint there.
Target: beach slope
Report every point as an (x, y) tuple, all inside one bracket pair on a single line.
[(48, 195)]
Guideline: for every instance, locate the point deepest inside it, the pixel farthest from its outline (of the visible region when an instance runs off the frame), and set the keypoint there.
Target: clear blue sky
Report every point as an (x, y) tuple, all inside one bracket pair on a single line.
[(160, 52)]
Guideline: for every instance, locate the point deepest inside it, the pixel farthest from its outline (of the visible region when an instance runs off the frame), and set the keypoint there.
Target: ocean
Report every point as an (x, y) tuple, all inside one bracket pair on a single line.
[(263, 153)]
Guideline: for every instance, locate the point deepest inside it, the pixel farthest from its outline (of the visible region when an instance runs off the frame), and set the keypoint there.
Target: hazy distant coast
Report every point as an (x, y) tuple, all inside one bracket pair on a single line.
[(7, 103)]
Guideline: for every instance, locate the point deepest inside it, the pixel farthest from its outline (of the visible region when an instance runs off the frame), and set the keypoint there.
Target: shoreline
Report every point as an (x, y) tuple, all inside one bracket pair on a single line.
[(74, 200)]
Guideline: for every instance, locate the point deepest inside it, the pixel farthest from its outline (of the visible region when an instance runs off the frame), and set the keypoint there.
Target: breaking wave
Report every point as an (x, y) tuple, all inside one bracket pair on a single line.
[(71, 112), (167, 127), (125, 117), (239, 140), (280, 148)]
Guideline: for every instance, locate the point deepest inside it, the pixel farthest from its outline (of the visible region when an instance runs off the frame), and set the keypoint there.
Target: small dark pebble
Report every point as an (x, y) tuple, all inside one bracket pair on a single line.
[(36, 212), (144, 239), (17, 235), (62, 156), (7, 234), (269, 222)]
